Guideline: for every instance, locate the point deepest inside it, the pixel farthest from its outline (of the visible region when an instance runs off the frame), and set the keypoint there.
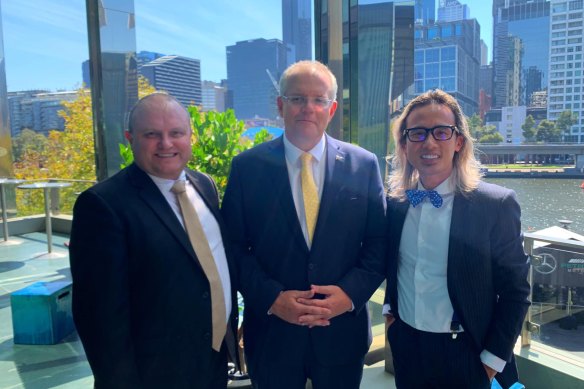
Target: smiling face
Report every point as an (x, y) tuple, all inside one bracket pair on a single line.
[(161, 137), (305, 124), (432, 159)]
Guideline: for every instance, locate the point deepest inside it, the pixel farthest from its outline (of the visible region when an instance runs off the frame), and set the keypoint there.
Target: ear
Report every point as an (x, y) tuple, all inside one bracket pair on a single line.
[(128, 136), (280, 104), (459, 143), (333, 108)]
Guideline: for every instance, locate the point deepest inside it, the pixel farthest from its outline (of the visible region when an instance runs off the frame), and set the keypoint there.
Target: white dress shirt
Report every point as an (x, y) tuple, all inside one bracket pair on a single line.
[(294, 165), (210, 228)]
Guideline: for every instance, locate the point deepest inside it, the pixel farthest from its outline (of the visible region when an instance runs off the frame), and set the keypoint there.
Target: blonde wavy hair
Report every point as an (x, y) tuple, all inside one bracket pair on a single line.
[(465, 174)]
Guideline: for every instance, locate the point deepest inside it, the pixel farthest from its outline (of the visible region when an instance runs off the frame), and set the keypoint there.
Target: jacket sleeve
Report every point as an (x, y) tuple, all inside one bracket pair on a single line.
[(99, 268)]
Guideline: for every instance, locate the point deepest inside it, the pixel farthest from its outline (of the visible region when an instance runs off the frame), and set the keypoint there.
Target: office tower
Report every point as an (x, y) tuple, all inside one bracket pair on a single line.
[(179, 76), (565, 77), (527, 20), (254, 68), (485, 89), (447, 57), (452, 10), (484, 53), (297, 29), (213, 96), (424, 11), (143, 57), (37, 110)]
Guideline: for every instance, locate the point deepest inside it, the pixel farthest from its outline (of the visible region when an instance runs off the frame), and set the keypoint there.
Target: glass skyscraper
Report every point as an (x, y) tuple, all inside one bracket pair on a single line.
[(528, 21)]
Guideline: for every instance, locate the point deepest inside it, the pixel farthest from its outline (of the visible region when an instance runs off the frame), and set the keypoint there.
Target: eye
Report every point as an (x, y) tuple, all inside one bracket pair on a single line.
[(296, 99), (150, 134), (417, 133), (321, 101)]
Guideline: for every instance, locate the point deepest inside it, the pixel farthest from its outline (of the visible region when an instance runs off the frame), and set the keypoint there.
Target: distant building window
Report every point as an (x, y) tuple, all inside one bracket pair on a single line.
[(419, 56), (432, 83), (419, 86), (559, 42), (418, 34), (574, 40), (575, 24), (447, 31), (448, 69), (432, 70), (448, 53), (559, 26), (575, 32), (559, 7), (448, 84), (576, 15), (418, 71), (558, 18), (574, 5), (559, 34), (432, 33), (433, 55)]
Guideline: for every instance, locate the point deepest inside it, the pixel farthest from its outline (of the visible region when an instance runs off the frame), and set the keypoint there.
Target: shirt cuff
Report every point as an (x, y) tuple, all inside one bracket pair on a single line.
[(493, 361), (386, 310)]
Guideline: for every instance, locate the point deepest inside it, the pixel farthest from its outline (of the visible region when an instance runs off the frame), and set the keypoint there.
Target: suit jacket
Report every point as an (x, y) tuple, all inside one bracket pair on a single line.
[(141, 301), (347, 250), (487, 267)]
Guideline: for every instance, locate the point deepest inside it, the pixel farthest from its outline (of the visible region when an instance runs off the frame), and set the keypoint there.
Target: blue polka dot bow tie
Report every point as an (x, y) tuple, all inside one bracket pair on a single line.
[(417, 196)]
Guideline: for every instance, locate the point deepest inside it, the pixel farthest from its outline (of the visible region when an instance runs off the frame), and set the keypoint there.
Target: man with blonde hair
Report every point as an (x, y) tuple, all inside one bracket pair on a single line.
[(457, 273), (305, 214)]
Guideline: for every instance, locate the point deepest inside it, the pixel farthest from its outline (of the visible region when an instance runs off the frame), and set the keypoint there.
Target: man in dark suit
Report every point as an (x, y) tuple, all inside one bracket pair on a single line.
[(457, 273), (141, 299), (306, 215)]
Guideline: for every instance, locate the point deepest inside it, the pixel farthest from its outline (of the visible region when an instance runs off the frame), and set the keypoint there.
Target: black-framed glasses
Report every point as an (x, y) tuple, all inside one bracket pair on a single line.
[(301, 101), (440, 133)]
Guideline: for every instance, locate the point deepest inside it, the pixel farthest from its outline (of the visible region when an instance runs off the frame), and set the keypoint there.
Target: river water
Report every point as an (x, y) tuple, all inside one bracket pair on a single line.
[(545, 201)]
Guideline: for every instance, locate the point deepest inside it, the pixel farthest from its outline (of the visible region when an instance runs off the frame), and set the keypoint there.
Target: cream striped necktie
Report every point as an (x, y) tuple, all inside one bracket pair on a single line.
[(201, 246), (309, 194)]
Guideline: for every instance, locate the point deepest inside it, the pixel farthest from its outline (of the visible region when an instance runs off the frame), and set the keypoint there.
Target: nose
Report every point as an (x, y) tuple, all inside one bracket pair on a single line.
[(165, 141)]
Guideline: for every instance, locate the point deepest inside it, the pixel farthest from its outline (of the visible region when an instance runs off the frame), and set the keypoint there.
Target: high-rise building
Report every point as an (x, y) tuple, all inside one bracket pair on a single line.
[(213, 96), (424, 12), (527, 20), (179, 76), (452, 10), (565, 74), (253, 70), (37, 110), (447, 57), (297, 29), (485, 89), (484, 53)]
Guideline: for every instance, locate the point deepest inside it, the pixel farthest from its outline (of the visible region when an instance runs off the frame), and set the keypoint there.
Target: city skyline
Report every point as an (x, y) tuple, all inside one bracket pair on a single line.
[(56, 35)]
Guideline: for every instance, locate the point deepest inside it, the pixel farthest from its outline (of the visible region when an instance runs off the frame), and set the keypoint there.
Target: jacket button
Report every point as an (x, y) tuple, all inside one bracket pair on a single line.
[(207, 336), (206, 295), (311, 266)]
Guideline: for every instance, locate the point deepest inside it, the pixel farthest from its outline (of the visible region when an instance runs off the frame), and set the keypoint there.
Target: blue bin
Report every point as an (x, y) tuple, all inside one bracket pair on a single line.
[(41, 313)]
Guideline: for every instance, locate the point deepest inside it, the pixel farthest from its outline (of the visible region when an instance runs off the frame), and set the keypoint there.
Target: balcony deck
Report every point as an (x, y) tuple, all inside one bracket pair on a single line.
[(23, 261)]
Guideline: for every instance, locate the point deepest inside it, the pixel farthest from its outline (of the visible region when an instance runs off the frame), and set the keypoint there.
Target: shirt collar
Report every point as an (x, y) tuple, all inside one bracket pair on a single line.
[(166, 183), (445, 188), (293, 153)]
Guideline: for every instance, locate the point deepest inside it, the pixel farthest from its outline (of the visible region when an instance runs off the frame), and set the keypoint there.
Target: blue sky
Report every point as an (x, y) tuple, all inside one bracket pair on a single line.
[(45, 41)]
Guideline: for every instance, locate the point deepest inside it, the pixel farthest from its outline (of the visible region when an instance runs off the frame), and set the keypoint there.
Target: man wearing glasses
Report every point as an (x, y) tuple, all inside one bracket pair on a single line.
[(305, 213), (457, 275)]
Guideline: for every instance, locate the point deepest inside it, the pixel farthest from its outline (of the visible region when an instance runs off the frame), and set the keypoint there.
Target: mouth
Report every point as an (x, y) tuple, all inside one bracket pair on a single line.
[(429, 156), (166, 155)]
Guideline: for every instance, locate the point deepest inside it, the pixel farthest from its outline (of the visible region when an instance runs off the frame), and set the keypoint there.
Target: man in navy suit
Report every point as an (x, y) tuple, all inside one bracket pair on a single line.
[(141, 298), (457, 273), (305, 213)]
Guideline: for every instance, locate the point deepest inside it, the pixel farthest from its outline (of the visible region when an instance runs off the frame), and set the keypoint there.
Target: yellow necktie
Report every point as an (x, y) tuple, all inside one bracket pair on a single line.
[(310, 195), (201, 246)]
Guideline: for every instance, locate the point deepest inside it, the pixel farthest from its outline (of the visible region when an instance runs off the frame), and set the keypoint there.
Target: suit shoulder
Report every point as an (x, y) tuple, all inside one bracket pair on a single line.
[(260, 150), (351, 149)]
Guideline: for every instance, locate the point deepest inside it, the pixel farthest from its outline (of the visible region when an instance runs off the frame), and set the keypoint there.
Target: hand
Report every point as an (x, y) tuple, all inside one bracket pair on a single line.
[(287, 307), (336, 301), (389, 319), (490, 372)]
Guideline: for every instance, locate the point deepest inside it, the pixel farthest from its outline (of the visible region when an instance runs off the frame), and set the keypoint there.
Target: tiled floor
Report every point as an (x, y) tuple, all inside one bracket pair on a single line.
[(23, 261)]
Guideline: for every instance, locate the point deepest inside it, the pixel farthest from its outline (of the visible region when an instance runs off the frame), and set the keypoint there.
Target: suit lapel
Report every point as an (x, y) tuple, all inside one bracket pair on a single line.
[(149, 192), (278, 175), (332, 184)]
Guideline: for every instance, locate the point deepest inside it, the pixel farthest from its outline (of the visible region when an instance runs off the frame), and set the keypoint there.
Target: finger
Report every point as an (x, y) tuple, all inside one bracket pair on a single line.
[(314, 302), (307, 294), (319, 323), (323, 289), (313, 320)]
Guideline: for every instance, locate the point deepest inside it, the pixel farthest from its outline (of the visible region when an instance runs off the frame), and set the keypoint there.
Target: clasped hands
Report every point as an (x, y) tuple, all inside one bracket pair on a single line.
[(301, 308)]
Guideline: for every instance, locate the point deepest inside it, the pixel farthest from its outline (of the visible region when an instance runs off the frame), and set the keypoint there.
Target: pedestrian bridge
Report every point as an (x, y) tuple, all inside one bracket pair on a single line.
[(574, 149)]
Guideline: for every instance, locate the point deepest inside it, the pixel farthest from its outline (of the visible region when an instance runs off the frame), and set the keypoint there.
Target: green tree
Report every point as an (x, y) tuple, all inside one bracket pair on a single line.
[(482, 133), (548, 132), (529, 129), (475, 126), (26, 142), (565, 121)]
